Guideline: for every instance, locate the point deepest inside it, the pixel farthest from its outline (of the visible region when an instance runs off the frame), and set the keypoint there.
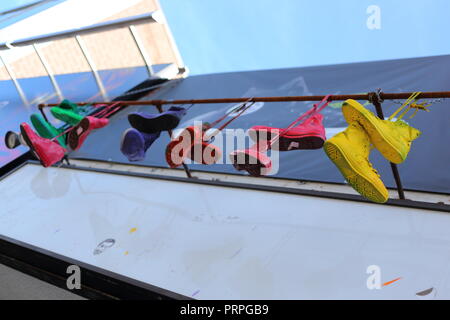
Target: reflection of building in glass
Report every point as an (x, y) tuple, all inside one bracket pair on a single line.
[(109, 49)]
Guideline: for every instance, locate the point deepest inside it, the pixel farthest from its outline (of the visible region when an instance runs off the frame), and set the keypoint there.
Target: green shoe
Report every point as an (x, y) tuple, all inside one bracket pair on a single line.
[(66, 104), (68, 116), (46, 130)]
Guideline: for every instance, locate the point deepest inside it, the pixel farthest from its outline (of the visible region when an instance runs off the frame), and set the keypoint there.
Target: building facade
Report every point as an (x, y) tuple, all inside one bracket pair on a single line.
[(108, 49)]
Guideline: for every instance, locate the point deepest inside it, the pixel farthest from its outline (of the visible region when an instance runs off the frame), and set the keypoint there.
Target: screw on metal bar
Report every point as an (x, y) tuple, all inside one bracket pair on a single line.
[(185, 167), (375, 99)]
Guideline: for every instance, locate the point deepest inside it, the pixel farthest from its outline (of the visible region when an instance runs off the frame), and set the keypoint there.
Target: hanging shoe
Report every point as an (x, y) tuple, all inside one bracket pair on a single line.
[(46, 130), (80, 132), (151, 123), (12, 140), (134, 144), (251, 160), (179, 148), (66, 114), (308, 135), (204, 153), (392, 139), (349, 150), (46, 151), (66, 104)]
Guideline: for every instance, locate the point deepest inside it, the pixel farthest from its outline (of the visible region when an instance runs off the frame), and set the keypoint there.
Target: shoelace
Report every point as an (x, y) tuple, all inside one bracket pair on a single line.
[(241, 109), (410, 104)]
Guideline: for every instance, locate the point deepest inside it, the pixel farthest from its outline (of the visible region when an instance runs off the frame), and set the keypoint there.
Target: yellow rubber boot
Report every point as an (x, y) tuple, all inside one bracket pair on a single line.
[(392, 139), (349, 150)]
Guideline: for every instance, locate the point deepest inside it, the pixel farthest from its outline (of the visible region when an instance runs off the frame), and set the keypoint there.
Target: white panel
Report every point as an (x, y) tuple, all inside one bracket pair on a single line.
[(215, 242)]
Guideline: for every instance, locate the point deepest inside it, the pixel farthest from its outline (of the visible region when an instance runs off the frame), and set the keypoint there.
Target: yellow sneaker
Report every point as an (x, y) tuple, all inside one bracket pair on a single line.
[(349, 150), (392, 139)]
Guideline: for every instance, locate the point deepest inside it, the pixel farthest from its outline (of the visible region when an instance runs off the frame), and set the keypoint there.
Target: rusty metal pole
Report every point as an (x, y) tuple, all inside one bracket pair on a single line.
[(384, 96), (41, 109), (374, 98)]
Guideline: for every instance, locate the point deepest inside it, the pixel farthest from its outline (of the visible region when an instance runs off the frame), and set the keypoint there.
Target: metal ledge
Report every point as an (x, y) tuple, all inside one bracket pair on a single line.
[(97, 283), (103, 26), (441, 207)]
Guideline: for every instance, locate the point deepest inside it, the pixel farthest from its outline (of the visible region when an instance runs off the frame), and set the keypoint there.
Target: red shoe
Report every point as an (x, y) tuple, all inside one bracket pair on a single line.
[(308, 135), (179, 149), (190, 144), (204, 153), (254, 162), (48, 152), (80, 132)]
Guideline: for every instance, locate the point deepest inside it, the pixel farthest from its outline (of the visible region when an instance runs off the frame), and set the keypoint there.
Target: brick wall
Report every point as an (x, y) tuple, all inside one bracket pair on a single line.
[(109, 49)]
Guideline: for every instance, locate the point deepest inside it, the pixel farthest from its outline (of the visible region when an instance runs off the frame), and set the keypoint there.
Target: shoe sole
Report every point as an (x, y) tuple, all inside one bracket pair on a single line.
[(354, 112), (252, 165), (162, 123), (75, 134), (307, 142), (16, 141), (30, 145), (356, 179)]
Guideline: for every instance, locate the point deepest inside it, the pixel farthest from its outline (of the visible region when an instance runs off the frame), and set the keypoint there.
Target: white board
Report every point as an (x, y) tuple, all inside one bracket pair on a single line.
[(211, 242)]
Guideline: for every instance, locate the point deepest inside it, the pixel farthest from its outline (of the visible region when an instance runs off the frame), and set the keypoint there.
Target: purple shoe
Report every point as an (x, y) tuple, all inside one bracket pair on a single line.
[(152, 123), (134, 144)]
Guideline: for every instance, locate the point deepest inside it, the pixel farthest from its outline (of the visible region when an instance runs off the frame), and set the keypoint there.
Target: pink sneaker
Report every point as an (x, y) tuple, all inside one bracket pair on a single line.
[(308, 135), (80, 132), (47, 151)]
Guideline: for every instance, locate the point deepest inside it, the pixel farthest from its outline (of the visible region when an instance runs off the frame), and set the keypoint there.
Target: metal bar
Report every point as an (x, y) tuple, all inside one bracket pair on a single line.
[(141, 48), (103, 26), (269, 188), (401, 194), (15, 81), (384, 96), (91, 63), (43, 113), (48, 70), (185, 167)]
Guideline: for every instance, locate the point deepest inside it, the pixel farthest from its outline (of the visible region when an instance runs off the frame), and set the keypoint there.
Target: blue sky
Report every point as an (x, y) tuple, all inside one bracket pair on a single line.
[(13, 17), (11, 4), (233, 35)]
